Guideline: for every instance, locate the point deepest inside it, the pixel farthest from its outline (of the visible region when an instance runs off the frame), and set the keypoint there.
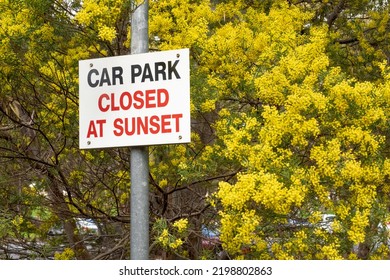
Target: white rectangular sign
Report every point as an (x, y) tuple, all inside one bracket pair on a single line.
[(135, 100)]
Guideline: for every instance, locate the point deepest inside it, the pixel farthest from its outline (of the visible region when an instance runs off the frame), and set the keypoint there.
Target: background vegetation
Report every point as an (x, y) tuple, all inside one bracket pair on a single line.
[(290, 121)]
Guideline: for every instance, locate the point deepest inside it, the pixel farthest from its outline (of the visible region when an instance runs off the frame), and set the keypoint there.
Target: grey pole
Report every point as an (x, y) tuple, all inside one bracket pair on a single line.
[(139, 161)]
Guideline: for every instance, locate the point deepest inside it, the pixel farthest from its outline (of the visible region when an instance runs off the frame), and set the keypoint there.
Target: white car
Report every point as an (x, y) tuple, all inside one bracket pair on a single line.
[(327, 220), (87, 226)]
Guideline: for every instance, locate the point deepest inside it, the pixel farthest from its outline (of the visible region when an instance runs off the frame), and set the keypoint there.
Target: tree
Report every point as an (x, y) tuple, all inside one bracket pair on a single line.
[(289, 123), (310, 140), (42, 43), (302, 126), (358, 32)]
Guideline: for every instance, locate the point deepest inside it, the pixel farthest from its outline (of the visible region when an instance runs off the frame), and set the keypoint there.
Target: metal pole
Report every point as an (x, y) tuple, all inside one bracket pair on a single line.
[(139, 161)]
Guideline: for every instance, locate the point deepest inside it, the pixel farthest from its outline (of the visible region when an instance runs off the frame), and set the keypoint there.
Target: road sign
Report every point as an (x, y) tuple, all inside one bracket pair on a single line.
[(135, 100)]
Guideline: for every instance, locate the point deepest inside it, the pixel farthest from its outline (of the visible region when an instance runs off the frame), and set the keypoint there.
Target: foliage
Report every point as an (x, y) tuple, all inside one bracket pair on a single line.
[(309, 139), (67, 254), (171, 238), (290, 121)]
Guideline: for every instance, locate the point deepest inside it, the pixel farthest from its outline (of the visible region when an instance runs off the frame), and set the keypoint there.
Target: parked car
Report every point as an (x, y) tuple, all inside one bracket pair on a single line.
[(327, 220), (298, 223), (56, 230), (210, 238), (85, 226)]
